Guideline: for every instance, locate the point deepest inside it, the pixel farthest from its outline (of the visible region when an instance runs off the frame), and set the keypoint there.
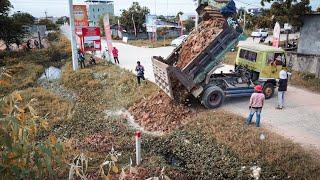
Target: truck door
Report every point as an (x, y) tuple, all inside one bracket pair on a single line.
[(274, 61)]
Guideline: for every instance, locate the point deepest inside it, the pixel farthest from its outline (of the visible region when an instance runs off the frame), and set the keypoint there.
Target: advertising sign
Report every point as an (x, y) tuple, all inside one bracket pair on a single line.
[(91, 39), (107, 31), (151, 23), (80, 18), (276, 35)]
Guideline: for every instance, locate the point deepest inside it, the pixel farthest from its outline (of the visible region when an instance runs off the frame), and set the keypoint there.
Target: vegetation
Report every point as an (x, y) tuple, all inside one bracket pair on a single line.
[(138, 14), (11, 29), (150, 44), (306, 80), (49, 24), (288, 11)]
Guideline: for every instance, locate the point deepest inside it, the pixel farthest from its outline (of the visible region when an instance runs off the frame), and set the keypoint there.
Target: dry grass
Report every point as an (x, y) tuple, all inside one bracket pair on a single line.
[(47, 104), (275, 151), (307, 81), (117, 86), (23, 75), (150, 44)]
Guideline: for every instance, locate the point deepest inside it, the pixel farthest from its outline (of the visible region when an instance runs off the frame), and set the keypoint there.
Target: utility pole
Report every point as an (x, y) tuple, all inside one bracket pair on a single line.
[(73, 38), (46, 14), (244, 20)]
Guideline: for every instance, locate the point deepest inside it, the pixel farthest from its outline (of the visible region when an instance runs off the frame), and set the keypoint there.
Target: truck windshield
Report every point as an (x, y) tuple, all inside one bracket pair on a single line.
[(248, 55)]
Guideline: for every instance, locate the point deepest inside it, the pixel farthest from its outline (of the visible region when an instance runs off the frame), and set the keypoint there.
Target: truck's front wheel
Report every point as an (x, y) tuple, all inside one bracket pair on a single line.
[(213, 97), (268, 90)]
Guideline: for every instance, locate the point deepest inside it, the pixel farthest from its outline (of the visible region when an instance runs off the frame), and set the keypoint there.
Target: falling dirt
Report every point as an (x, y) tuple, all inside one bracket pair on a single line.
[(198, 40), (160, 113)]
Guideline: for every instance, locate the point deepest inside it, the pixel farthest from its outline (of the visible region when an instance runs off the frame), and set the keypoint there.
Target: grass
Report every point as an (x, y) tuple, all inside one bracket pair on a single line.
[(48, 104), (305, 80), (219, 134), (150, 44), (27, 66), (287, 158), (214, 145), (24, 75)]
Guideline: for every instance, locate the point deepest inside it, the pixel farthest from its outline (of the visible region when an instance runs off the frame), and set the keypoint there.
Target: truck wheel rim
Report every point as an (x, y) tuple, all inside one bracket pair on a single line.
[(268, 91), (214, 98)]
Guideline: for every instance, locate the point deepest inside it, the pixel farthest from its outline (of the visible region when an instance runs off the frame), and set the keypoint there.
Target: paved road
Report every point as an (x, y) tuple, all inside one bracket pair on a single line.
[(299, 121)]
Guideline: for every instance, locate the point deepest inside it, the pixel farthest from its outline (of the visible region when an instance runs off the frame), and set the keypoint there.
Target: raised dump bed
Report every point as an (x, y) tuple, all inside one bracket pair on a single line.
[(194, 73)]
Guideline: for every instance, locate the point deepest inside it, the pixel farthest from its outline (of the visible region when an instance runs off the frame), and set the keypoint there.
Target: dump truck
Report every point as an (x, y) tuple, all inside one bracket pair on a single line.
[(199, 77)]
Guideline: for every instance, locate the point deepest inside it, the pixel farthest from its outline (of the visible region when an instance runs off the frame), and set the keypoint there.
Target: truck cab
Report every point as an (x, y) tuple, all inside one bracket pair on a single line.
[(265, 62)]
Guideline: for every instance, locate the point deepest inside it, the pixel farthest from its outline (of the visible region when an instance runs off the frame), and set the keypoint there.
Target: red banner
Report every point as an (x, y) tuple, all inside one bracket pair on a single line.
[(80, 18), (91, 39), (107, 31)]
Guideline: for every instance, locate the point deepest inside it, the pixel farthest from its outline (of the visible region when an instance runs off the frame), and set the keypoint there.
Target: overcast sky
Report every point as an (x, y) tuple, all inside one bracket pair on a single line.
[(160, 7)]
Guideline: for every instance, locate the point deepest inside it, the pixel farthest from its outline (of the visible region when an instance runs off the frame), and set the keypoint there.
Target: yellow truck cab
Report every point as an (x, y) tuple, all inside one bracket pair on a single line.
[(265, 61)]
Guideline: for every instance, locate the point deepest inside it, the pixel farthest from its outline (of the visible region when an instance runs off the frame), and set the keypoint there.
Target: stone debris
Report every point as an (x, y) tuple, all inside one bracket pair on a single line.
[(198, 40), (160, 113)]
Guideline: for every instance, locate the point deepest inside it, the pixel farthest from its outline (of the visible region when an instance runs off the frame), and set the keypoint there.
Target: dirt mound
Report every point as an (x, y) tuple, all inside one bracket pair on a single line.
[(160, 113), (198, 40)]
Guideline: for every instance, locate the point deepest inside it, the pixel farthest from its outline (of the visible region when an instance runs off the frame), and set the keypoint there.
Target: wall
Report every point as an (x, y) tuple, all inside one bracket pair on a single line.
[(309, 42), (305, 63)]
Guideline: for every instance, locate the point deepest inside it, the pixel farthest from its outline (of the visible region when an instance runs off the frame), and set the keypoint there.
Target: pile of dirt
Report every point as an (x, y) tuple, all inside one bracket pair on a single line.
[(198, 40), (160, 113)]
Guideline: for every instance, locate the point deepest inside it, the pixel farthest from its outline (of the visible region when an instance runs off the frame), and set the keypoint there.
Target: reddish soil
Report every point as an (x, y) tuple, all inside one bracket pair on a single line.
[(198, 40), (160, 113)]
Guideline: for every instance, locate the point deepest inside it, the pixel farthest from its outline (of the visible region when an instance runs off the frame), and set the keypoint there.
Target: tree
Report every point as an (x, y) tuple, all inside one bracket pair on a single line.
[(5, 6), (50, 25), (288, 11), (10, 31), (23, 18), (137, 13), (318, 9), (112, 20), (189, 25)]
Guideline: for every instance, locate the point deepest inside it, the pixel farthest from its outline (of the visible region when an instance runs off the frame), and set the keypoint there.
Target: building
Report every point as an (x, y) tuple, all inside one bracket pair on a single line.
[(307, 58), (309, 42), (98, 8)]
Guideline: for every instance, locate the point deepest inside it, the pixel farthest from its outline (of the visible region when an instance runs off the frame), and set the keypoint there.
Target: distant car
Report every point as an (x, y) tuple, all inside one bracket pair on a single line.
[(176, 42), (260, 33)]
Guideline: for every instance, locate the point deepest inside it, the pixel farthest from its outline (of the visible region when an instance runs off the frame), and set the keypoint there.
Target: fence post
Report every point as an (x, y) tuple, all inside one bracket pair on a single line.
[(138, 147)]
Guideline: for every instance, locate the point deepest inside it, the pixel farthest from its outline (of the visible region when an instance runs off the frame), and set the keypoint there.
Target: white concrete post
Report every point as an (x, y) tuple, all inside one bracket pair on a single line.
[(73, 38), (138, 147)]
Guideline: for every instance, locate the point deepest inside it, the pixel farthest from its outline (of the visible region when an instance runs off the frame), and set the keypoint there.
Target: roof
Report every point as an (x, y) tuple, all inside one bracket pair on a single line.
[(261, 47)]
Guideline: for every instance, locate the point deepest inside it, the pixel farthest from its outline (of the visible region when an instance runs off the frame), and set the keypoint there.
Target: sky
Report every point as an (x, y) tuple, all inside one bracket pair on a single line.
[(160, 7)]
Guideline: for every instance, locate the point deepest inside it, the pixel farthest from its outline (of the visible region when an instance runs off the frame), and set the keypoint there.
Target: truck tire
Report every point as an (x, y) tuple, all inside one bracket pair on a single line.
[(212, 97), (268, 90)]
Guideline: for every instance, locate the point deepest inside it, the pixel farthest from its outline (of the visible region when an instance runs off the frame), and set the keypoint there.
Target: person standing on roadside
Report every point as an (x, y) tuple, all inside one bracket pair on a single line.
[(81, 59), (115, 54), (140, 72), (256, 104), (283, 84)]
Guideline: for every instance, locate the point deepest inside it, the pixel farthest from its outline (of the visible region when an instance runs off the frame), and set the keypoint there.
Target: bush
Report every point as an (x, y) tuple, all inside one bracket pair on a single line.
[(22, 157)]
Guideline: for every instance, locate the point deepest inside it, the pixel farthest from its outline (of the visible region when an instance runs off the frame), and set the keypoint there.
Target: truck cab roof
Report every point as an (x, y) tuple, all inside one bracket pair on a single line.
[(260, 48)]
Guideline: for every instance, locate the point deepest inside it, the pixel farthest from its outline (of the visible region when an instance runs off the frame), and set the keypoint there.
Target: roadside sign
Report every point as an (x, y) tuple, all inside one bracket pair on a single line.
[(151, 23), (80, 18), (91, 38), (107, 31), (276, 35)]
